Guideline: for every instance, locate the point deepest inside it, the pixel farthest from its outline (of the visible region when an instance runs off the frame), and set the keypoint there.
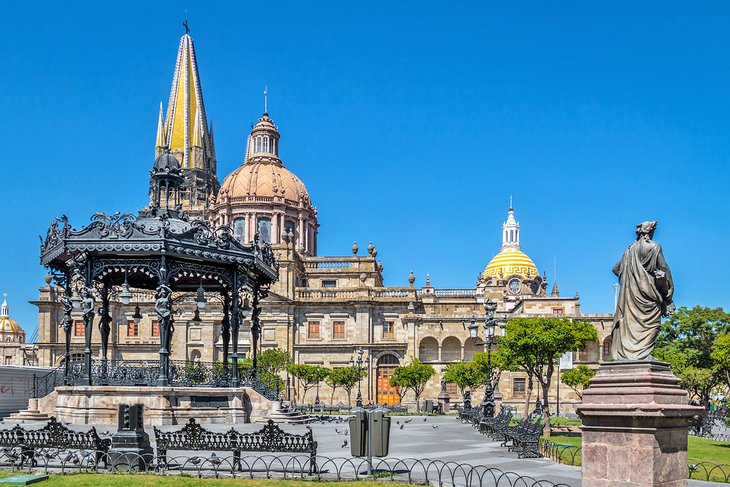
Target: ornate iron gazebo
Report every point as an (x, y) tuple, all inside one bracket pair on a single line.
[(161, 250)]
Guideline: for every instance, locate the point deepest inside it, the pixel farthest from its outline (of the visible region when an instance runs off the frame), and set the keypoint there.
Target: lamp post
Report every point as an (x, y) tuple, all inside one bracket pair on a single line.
[(358, 399), (490, 323)]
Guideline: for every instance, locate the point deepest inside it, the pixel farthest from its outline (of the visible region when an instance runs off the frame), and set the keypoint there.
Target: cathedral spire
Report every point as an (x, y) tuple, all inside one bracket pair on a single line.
[(4, 310), (511, 230), (185, 132), (161, 143)]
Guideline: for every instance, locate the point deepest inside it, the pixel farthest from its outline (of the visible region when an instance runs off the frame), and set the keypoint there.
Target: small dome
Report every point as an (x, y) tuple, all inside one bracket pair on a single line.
[(166, 161), (10, 330), (510, 262), (265, 180)]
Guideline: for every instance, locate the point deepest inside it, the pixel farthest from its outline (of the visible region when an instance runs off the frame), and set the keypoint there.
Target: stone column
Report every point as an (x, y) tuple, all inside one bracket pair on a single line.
[(635, 426)]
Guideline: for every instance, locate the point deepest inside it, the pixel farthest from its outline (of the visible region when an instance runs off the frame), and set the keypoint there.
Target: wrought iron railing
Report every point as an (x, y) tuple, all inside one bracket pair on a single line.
[(145, 373)]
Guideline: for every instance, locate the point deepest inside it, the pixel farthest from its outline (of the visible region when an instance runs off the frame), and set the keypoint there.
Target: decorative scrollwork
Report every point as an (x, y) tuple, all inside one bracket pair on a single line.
[(117, 225)]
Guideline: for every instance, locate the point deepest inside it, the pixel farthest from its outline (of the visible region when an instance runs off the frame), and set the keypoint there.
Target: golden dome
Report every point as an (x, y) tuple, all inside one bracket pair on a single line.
[(264, 180), (510, 262), (10, 330)]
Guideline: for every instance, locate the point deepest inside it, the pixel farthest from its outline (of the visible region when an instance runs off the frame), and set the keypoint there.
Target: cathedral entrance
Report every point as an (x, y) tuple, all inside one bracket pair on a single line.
[(386, 394)]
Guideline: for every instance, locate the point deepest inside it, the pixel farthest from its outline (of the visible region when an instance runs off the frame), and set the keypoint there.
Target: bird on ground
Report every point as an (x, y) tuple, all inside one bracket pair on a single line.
[(344, 444), (214, 459), (408, 420), (338, 431), (397, 422), (434, 426), (401, 426), (424, 419), (195, 460)]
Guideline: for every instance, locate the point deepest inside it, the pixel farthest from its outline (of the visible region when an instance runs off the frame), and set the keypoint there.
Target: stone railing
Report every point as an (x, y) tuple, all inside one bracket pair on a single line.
[(331, 264), (364, 294), (453, 293)]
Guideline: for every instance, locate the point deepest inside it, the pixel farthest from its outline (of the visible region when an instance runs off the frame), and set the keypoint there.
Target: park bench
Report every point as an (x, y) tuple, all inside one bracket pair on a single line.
[(525, 440), (53, 435), (270, 438), (500, 421)]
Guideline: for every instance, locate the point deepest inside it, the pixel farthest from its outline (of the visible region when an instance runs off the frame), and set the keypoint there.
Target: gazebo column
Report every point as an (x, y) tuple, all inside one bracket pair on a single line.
[(163, 307), (226, 331), (235, 324), (104, 328), (87, 308), (255, 329), (67, 324)]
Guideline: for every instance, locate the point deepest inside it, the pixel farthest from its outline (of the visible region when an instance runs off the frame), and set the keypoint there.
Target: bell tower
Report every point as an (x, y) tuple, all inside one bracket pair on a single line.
[(184, 133)]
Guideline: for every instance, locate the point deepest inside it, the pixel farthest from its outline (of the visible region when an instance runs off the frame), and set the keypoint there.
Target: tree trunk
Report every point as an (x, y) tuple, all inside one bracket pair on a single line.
[(528, 395), (546, 409)]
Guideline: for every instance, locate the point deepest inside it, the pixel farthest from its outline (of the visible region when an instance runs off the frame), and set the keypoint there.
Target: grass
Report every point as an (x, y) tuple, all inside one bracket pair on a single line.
[(128, 480), (699, 450)]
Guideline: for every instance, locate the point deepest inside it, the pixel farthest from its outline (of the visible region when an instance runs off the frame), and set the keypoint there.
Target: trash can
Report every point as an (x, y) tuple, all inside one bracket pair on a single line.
[(358, 432), (380, 434)]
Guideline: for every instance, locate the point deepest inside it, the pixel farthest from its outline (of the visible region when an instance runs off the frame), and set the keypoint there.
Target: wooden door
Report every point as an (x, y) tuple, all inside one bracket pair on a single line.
[(387, 395)]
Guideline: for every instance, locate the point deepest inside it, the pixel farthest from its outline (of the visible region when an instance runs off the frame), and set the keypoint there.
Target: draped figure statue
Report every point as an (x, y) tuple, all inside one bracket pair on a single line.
[(645, 295)]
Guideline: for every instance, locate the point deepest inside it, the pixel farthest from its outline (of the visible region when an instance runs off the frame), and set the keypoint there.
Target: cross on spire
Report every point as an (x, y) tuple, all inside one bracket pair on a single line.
[(266, 100), (185, 24)]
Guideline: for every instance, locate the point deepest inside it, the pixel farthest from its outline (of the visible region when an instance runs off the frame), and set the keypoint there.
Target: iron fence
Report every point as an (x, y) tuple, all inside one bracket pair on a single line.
[(145, 373), (410, 470)]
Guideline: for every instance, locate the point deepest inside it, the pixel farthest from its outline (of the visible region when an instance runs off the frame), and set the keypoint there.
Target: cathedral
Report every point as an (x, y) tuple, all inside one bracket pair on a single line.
[(322, 309)]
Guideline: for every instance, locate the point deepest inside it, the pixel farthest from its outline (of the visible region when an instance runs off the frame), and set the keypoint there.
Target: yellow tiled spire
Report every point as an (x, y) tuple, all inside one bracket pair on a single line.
[(186, 111), (185, 134)]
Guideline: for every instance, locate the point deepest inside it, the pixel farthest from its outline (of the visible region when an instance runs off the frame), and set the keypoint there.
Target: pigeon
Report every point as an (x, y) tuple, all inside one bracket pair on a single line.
[(338, 431), (424, 419), (214, 459), (195, 460), (344, 444), (434, 426), (397, 422), (401, 426), (408, 420)]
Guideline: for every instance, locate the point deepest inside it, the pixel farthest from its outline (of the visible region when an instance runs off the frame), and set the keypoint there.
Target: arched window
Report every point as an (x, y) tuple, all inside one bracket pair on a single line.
[(265, 230), (239, 229), (451, 350), (428, 350), (388, 359), (258, 145), (266, 144)]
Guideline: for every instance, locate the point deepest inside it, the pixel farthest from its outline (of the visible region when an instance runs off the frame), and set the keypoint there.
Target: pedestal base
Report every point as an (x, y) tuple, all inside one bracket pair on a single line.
[(635, 427), (97, 405)]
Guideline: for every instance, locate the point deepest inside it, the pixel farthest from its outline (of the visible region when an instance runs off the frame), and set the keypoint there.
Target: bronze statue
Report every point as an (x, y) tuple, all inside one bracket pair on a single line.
[(645, 296)]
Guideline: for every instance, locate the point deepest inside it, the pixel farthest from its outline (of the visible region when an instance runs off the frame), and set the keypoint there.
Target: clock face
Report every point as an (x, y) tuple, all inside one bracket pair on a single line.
[(514, 286)]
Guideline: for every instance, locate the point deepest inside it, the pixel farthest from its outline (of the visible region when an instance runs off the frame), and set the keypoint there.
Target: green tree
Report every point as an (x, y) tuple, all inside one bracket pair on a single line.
[(271, 362), (721, 359), (347, 378), (308, 375), (577, 378), (686, 340), (536, 344), (413, 376), (466, 375)]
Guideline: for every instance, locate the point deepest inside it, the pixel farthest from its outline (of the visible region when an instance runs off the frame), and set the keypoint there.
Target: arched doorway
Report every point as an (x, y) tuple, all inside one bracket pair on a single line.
[(386, 394)]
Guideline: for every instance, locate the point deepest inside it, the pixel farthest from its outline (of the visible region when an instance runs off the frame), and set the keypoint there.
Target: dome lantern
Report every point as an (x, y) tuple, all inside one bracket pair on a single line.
[(511, 261)]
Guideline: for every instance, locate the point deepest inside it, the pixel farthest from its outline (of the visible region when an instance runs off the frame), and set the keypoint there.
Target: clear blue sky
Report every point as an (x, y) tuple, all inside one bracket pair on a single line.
[(410, 127)]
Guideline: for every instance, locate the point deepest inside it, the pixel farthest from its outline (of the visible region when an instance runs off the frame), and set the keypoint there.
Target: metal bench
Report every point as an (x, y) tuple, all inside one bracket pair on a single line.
[(491, 425), (270, 438), (53, 435), (525, 440)]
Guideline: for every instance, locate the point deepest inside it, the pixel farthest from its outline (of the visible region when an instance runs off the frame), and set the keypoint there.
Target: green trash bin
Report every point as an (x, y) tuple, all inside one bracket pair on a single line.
[(358, 433), (380, 424)]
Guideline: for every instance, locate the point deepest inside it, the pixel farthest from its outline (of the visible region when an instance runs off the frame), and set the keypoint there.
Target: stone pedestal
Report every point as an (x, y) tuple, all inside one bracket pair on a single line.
[(444, 400), (635, 427), (130, 447)]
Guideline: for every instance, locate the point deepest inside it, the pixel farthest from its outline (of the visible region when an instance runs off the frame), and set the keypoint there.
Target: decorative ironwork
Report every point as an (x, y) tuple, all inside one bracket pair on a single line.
[(52, 435), (270, 438), (158, 249)]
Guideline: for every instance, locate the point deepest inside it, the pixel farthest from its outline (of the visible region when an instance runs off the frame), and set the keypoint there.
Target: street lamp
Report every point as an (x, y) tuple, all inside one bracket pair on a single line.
[(490, 324), (358, 399)]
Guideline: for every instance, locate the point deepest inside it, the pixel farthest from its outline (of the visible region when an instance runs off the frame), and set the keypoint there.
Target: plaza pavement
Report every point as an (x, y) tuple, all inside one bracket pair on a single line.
[(442, 438)]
